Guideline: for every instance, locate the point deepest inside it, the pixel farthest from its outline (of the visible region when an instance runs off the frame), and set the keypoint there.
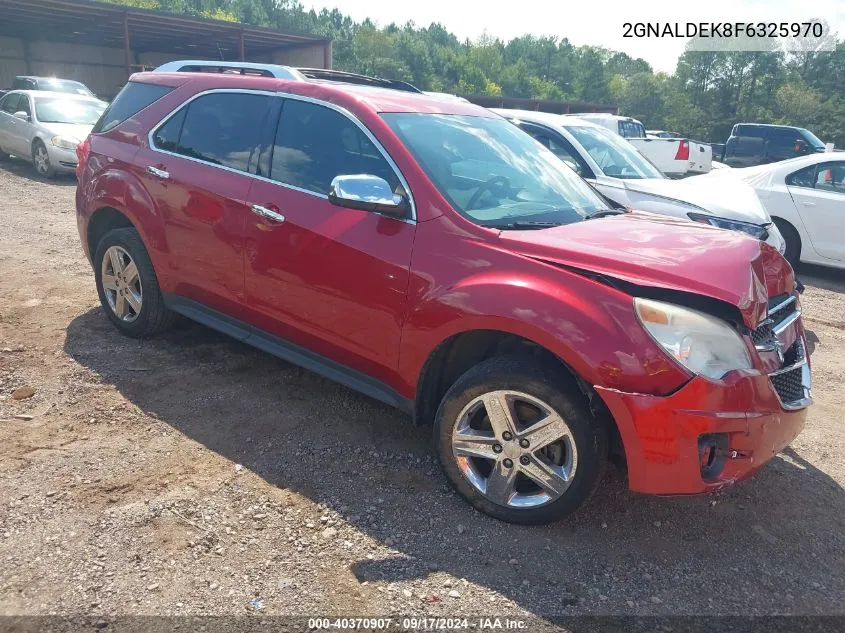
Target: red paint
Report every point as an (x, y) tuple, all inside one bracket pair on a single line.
[(380, 295), (660, 435)]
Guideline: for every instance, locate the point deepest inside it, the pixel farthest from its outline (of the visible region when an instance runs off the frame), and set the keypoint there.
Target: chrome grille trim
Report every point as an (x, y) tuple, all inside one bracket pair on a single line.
[(780, 327), (802, 366)]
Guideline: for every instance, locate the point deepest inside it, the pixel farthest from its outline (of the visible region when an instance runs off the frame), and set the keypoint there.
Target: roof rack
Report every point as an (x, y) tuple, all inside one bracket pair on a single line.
[(282, 72), (238, 68), (325, 74)]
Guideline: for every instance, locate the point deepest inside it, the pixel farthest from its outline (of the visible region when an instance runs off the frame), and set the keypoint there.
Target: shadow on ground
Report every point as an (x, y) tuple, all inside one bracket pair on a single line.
[(832, 279), (24, 169), (764, 546)]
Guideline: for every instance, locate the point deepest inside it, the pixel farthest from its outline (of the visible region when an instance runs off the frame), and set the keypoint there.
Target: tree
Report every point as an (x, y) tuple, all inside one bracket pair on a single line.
[(708, 93)]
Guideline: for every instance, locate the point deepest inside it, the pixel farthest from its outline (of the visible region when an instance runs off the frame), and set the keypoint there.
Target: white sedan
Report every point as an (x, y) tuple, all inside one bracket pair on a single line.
[(806, 198), (624, 176), (45, 127)]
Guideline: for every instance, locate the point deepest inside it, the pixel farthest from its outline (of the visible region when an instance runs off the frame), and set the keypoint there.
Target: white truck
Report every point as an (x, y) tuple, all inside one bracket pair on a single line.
[(676, 157)]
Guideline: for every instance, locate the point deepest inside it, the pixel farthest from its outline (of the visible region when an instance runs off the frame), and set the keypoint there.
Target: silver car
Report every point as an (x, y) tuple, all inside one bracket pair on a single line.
[(45, 127)]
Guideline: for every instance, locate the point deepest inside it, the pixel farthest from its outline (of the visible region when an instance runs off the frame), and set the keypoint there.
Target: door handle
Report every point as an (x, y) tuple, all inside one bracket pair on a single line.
[(158, 173), (268, 214), (808, 204)]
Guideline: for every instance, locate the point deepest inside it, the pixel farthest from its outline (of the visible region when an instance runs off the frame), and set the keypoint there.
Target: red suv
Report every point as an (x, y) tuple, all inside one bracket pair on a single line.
[(433, 256)]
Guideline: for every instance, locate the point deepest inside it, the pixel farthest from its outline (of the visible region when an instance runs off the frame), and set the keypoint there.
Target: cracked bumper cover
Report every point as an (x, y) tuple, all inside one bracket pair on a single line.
[(660, 433)]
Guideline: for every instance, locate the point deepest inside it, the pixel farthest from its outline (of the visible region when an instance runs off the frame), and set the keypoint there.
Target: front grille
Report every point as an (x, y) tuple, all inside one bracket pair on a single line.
[(781, 307), (791, 381), (763, 333), (789, 385)]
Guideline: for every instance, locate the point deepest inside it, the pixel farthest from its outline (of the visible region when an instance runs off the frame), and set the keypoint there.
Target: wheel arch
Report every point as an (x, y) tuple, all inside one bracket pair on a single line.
[(461, 351), (102, 221), (788, 229)]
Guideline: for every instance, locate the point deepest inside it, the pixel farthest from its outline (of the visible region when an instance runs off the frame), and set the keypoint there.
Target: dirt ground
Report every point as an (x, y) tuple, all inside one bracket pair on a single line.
[(190, 474)]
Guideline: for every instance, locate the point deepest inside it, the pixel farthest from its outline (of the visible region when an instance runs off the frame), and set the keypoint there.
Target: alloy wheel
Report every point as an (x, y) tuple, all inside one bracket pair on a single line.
[(42, 160), (514, 449), (122, 284)]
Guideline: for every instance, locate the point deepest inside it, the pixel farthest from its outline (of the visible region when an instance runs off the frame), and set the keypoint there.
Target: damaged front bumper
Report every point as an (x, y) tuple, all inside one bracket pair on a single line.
[(708, 434)]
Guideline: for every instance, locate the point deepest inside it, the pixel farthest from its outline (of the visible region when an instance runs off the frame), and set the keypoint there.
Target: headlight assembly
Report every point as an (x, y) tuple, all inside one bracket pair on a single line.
[(754, 230), (703, 344), (64, 142)]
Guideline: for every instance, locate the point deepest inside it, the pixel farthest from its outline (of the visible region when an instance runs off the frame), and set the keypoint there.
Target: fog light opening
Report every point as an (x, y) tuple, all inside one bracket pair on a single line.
[(712, 454)]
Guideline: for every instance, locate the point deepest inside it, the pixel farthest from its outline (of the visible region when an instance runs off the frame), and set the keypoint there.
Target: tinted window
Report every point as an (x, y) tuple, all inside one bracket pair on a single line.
[(783, 138), (811, 138), (10, 103), (748, 130), (130, 101), (314, 144), (225, 128), (167, 136), (802, 178)]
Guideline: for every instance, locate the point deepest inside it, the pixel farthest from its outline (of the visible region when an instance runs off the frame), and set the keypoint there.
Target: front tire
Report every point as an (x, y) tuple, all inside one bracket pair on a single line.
[(792, 252), (516, 440), (128, 286), (41, 160)]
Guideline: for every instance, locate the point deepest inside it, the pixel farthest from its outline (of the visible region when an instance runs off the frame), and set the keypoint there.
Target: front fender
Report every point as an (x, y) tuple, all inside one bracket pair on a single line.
[(588, 325)]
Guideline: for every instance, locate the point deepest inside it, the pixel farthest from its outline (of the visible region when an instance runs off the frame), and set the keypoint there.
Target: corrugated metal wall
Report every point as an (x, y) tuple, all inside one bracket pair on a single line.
[(103, 70)]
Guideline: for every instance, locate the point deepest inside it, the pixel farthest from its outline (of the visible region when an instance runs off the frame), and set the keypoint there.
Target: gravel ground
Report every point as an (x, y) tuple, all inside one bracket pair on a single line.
[(190, 474)]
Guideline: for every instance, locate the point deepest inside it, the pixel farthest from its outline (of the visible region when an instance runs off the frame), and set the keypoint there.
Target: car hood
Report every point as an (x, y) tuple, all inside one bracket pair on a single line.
[(732, 199), (661, 252), (71, 130)]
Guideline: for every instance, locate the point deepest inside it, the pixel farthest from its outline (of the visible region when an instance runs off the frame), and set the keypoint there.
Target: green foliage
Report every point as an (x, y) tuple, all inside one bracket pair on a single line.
[(706, 95)]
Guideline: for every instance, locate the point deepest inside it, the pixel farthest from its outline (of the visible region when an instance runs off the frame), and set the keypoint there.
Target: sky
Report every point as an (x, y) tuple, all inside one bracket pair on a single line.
[(586, 22)]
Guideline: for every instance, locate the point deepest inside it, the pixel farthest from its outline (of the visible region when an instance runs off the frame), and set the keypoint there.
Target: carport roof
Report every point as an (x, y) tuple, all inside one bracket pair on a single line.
[(95, 23)]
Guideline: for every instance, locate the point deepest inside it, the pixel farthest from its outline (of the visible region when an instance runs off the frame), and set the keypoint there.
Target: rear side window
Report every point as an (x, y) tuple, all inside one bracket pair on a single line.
[(314, 144), (220, 128), (167, 136), (130, 101), (803, 177)]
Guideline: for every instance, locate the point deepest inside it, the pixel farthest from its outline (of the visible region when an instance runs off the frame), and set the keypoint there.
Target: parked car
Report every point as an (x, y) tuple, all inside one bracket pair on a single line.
[(805, 197), (674, 156), (662, 134), (45, 127), (624, 176), (429, 254), (753, 144), (51, 84)]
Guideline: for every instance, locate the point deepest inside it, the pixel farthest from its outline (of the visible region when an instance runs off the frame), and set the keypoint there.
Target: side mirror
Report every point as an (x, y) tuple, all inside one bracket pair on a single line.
[(367, 192), (801, 147), (23, 116)]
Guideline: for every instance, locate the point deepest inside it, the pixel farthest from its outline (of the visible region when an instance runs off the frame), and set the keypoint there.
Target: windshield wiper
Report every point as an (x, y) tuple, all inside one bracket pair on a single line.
[(523, 224), (604, 213)]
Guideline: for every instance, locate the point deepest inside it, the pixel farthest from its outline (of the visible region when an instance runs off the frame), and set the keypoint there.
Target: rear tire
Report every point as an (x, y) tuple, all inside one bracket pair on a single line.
[(792, 253), (523, 476), (128, 286)]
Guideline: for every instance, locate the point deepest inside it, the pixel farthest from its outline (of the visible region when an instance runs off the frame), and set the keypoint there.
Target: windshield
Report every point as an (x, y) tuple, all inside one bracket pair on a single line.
[(81, 111), (492, 172), (615, 156), (64, 85), (811, 138)]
